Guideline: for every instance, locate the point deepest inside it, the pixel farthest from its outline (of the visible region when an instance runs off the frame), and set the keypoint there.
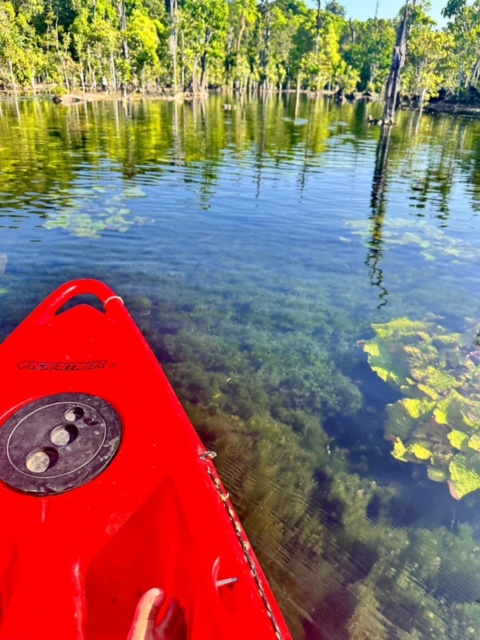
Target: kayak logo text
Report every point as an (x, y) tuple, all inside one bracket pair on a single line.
[(63, 366)]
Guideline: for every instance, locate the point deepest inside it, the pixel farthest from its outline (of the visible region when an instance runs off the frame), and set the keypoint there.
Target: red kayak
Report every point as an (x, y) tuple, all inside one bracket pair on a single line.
[(106, 490)]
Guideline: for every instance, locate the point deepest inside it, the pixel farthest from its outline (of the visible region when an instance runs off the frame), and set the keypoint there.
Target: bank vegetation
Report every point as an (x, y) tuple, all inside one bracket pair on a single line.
[(174, 46)]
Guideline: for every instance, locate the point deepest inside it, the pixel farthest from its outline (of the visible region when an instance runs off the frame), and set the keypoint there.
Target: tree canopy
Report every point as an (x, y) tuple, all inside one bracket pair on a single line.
[(196, 44)]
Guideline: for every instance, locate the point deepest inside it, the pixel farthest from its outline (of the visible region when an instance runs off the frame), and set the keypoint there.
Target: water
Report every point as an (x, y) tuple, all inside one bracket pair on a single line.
[(255, 248)]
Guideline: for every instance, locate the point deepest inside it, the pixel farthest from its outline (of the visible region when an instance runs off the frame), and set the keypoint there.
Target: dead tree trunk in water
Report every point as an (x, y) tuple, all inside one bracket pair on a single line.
[(398, 61)]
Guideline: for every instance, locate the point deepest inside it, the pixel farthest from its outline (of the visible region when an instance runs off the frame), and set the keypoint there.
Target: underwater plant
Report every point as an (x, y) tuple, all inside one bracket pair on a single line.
[(87, 213), (437, 422), (343, 559), (433, 243)]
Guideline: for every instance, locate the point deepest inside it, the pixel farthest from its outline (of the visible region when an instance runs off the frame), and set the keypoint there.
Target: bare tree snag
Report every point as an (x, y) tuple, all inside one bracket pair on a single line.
[(394, 79)]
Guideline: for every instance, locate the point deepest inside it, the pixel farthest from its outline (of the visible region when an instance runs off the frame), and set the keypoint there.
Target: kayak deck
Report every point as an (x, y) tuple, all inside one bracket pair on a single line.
[(107, 490)]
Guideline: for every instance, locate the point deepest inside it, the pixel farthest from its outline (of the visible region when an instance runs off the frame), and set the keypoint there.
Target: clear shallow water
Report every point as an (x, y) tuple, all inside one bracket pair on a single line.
[(255, 248)]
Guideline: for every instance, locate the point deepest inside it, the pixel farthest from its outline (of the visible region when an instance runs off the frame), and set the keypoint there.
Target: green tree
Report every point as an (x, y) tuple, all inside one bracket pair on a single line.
[(18, 52), (97, 42), (430, 61), (369, 51), (282, 25), (240, 58), (204, 26), (241, 43), (335, 7), (324, 65), (143, 38), (464, 25)]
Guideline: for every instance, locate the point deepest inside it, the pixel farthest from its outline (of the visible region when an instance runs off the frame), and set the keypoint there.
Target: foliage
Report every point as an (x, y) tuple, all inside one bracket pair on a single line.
[(245, 43), (18, 51), (329, 539), (299, 518), (370, 51), (335, 7), (205, 27), (430, 61), (438, 421), (464, 26)]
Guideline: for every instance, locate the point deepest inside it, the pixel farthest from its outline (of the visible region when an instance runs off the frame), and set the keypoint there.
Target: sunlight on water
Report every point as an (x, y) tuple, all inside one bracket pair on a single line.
[(255, 248)]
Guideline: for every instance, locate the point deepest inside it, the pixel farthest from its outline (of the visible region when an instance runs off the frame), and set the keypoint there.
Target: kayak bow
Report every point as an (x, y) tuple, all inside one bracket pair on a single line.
[(107, 491)]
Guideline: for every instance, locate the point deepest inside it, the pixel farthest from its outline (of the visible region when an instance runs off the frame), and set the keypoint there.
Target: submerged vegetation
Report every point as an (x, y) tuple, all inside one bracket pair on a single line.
[(337, 544), (433, 243), (243, 44), (437, 423), (85, 213)]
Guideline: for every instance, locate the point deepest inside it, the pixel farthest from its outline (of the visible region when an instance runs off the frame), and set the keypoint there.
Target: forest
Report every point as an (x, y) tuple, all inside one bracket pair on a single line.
[(175, 46)]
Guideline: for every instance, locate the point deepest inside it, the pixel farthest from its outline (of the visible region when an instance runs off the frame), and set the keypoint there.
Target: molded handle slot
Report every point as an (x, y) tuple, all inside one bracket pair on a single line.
[(55, 302)]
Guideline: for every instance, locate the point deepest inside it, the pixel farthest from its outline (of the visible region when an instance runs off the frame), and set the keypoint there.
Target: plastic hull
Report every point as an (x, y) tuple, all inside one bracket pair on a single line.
[(74, 563)]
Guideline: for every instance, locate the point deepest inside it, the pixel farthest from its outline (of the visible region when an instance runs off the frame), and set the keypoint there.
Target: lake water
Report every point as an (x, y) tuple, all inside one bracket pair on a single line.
[(255, 248)]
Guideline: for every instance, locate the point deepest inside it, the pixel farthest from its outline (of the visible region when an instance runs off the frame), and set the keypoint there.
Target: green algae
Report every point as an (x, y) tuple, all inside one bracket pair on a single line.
[(438, 419), (433, 244), (81, 225), (88, 213)]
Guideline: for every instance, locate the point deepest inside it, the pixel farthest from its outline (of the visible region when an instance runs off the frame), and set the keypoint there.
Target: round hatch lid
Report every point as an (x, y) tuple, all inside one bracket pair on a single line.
[(58, 443)]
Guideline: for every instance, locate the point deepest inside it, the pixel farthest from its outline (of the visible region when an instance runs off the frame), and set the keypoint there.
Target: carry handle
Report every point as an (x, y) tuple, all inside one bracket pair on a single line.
[(70, 290)]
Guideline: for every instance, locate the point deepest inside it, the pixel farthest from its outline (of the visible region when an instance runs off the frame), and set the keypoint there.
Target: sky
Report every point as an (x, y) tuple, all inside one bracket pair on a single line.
[(363, 9)]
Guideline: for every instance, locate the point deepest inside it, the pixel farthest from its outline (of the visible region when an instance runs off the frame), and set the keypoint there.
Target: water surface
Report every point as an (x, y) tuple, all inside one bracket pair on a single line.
[(255, 248)]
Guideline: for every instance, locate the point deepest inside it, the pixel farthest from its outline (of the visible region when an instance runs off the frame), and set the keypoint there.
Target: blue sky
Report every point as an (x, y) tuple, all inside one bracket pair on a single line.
[(362, 9)]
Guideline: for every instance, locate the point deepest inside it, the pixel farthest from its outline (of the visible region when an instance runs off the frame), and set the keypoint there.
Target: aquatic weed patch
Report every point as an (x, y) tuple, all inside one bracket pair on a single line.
[(437, 422), (257, 380), (86, 213), (312, 524), (433, 243)]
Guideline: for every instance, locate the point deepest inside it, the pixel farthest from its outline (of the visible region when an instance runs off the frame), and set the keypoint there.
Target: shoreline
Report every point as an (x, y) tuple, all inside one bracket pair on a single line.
[(75, 97), (447, 106), (458, 109)]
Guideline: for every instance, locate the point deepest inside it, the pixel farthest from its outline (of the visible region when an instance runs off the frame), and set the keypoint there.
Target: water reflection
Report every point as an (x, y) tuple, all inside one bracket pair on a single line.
[(379, 211), (238, 240)]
